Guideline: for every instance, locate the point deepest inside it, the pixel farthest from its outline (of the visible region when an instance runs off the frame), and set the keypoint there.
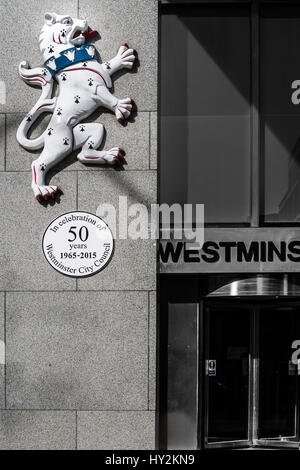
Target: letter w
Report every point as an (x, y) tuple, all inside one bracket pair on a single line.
[(170, 251)]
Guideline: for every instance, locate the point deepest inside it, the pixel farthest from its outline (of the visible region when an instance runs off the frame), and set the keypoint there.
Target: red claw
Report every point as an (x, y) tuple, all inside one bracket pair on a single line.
[(122, 151), (121, 121), (134, 107), (125, 45)]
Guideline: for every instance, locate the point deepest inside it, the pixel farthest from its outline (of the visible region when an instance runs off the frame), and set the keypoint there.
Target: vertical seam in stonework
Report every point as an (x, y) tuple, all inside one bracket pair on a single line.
[(4, 339), (148, 390), (5, 139), (150, 115), (76, 443)]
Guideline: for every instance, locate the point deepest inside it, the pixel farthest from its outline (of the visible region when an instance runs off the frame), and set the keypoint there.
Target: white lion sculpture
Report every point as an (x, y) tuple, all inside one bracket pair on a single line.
[(83, 86)]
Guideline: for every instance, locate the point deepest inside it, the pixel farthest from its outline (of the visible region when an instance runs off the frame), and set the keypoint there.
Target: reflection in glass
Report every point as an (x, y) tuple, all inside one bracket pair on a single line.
[(205, 112), (278, 379), (229, 345), (280, 130)]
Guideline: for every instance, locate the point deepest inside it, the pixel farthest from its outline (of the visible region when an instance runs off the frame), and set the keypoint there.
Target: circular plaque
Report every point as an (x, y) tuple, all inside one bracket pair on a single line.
[(78, 244)]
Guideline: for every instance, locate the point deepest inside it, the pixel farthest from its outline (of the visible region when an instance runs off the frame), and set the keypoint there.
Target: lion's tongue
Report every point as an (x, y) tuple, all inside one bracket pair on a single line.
[(87, 35)]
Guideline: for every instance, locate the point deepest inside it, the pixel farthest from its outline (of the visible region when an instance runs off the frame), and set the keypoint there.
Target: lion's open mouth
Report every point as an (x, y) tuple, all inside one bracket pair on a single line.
[(86, 35)]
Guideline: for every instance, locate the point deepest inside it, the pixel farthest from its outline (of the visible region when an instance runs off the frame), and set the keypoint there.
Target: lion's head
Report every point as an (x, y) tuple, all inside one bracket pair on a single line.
[(61, 32)]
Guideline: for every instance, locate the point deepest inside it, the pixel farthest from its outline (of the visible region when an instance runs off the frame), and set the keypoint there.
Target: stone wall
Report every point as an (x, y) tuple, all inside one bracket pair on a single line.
[(79, 369)]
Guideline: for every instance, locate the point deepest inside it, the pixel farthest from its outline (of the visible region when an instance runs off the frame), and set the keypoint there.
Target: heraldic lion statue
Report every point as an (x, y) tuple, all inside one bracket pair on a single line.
[(84, 85)]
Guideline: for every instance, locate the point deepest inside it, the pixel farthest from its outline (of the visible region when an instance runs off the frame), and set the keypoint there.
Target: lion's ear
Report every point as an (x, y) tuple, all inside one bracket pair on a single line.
[(50, 18)]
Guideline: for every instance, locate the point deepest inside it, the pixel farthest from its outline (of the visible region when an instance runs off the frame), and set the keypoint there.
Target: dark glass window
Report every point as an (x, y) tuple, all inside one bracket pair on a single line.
[(280, 113), (205, 111)]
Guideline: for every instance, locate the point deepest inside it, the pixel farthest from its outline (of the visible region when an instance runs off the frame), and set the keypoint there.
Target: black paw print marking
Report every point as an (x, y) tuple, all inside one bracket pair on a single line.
[(107, 65), (50, 131), (45, 72), (50, 49), (63, 33), (59, 111), (84, 64), (64, 77), (82, 128), (90, 81), (76, 99), (29, 117), (66, 140), (43, 167), (91, 144)]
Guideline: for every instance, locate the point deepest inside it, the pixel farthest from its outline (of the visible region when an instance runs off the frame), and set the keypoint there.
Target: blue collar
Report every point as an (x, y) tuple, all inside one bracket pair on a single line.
[(69, 57)]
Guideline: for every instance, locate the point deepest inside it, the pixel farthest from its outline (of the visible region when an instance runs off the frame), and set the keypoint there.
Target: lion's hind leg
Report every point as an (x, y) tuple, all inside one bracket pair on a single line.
[(58, 144), (90, 136)]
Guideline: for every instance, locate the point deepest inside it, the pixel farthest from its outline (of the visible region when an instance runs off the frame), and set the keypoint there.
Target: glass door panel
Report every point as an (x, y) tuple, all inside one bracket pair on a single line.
[(227, 373), (277, 420)]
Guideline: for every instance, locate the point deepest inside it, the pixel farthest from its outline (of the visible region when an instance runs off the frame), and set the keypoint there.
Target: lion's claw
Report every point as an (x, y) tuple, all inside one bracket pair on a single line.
[(115, 156), (126, 56), (42, 193), (124, 109), (134, 106)]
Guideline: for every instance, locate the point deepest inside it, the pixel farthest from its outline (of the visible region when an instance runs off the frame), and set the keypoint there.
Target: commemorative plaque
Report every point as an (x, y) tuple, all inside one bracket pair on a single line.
[(78, 244)]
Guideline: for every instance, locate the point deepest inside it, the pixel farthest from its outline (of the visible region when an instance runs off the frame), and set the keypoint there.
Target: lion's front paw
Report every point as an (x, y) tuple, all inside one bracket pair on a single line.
[(124, 109), (45, 192), (115, 156), (126, 56)]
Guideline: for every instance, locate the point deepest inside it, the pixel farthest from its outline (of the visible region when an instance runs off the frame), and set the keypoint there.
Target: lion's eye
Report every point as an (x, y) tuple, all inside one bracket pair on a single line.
[(67, 21)]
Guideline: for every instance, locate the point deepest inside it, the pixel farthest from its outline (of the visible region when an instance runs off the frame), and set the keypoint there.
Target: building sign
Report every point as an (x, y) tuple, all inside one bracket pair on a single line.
[(234, 250), (212, 367), (78, 244)]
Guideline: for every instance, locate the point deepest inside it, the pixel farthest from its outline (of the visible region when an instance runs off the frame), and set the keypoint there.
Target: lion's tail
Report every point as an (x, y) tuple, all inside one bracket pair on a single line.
[(41, 77)]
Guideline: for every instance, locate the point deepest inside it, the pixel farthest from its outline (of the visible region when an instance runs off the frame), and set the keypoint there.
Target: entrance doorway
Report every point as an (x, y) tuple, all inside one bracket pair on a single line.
[(251, 384), (229, 371)]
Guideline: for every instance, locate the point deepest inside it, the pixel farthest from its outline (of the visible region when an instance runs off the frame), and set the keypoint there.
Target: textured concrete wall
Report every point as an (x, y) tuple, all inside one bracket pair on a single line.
[(80, 355)]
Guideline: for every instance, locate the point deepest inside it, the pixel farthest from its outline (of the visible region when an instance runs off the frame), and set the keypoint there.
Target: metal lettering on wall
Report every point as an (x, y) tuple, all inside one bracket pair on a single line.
[(84, 85), (234, 250)]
